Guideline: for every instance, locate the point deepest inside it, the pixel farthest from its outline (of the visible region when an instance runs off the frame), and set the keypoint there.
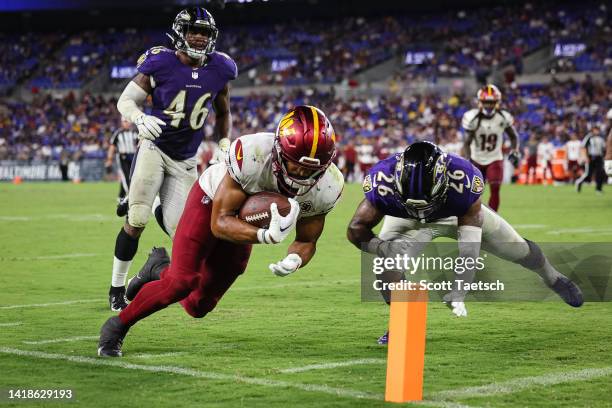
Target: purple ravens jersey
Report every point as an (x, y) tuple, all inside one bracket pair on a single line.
[(466, 184), (182, 96)]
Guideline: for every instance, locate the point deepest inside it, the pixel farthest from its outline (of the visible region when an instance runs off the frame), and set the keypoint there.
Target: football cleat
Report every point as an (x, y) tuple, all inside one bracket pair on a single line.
[(116, 299), (384, 339), (112, 333), (157, 261), (568, 291), (122, 207)]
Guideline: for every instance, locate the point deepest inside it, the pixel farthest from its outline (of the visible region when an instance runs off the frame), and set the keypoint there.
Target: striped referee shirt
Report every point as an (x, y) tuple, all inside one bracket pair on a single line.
[(125, 141), (595, 145)]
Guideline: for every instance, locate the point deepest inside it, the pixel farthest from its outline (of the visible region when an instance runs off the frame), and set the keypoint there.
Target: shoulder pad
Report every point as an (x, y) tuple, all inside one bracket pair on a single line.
[(468, 122)]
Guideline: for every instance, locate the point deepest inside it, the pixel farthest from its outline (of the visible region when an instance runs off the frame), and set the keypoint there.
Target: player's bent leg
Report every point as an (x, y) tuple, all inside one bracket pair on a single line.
[(146, 180), (503, 241), (181, 175), (218, 273)]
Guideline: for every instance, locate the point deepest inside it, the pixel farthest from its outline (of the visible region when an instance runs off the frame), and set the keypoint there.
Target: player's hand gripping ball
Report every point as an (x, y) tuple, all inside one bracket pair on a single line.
[(256, 208)]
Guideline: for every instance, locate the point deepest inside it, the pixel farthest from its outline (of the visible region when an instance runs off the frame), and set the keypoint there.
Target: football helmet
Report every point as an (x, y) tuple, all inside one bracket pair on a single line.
[(305, 138), (421, 179), (194, 20), (489, 99)]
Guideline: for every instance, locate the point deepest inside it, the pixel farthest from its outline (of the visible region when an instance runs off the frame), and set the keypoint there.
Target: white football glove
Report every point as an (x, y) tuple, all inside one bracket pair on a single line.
[(148, 126), (608, 166), (456, 306), (220, 151), (280, 227), (287, 266)]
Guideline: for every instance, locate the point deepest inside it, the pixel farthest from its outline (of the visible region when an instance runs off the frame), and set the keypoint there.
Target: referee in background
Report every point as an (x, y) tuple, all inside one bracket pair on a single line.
[(595, 146), (123, 144)]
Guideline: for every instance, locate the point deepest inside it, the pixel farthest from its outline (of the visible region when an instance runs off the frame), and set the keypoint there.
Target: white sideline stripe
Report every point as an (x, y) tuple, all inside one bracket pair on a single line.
[(341, 392), (298, 283), (65, 217), (10, 324), (48, 257), (68, 302), (579, 230), (72, 302), (160, 355), (520, 384), (63, 340), (530, 226), (327, 366)]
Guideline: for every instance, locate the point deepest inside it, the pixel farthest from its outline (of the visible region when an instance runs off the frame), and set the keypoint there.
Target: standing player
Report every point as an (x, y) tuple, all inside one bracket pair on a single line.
[(595, 146), (608, 160), (212, 246), (485, 128), (573, 149), (424, 194), (122, 148), (182, 83)]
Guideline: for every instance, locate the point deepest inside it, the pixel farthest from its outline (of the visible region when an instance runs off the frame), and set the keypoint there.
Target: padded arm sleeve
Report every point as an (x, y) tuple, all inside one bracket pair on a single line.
[(132, 96)]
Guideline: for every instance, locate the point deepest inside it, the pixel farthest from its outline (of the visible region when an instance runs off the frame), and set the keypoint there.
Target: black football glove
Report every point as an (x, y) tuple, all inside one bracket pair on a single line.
[(514, 158)]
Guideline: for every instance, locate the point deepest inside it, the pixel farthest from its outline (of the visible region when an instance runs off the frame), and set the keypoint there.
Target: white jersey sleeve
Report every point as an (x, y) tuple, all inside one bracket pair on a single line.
[(508, 119), (469, 121), (246, 160)]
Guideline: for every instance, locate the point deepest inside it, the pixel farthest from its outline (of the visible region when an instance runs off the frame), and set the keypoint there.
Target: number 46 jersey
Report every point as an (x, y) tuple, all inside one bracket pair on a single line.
[(182, 96), (487, 144), (466, 185)]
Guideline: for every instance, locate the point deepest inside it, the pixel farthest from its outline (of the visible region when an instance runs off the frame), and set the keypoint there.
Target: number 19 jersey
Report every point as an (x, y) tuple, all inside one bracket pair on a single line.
[(182, 96), (488, 139)]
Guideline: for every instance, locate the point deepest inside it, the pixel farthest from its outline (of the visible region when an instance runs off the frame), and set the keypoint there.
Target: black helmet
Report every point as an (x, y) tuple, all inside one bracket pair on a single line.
[(194, 19), (421, 179)]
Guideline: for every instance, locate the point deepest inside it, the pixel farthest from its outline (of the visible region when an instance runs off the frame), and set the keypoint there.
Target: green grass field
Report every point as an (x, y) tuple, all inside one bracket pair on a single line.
[(57, 242)]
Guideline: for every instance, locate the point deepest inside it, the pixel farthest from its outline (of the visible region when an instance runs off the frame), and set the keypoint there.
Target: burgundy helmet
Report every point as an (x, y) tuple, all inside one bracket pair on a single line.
[(305, 137)]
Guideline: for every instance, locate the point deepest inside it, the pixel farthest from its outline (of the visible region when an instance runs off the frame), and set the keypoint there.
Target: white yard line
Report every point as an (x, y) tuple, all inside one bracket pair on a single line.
[(68, 302), (530, 226), (209, 375), (520, 384), (327, 366), (581, 230), (63, 217), (48, 257), (298, 283), (62, 340), (160, 355), (11, 324)]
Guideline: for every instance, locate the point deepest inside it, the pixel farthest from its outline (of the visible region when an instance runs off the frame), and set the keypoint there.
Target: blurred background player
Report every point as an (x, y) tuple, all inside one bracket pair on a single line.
[(121, 150), (424, 194), (574, 148), (485, 128), (595, 146), (608, 161), (212, 246), (182, 82)]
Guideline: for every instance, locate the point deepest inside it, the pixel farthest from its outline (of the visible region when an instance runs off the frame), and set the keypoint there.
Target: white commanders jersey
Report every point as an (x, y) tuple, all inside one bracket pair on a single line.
[(487, 144), (249, 163)]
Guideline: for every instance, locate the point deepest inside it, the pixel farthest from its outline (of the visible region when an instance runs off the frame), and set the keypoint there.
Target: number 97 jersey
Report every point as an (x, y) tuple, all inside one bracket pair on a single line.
[(488, 138), (465, 186)]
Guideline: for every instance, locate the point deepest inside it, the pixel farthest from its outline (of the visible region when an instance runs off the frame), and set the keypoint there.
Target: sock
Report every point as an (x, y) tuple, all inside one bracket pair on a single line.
[(125, 249), (494, 199), (548, 273)]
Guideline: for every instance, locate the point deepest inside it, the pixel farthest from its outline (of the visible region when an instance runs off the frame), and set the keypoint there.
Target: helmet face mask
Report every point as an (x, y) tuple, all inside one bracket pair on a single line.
[(188, 25), (489, 99), (421, 179), (304, 147)]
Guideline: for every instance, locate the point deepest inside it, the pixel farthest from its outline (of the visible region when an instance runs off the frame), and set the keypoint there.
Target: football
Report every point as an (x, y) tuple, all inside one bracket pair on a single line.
[(256, 208)]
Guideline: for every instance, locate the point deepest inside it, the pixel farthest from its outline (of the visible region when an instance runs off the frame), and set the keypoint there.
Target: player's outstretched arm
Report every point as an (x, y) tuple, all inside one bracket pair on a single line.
[(366, 217), (226, 204), (223, 115), (302, 249), (467, 149)]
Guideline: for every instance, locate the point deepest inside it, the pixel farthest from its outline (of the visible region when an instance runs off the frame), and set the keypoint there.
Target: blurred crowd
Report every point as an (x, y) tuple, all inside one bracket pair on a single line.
[(368, 128), (456, 43)]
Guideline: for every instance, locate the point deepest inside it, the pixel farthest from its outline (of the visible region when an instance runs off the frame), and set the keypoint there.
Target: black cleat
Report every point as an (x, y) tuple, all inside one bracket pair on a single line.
[(116, 299), (157, 261), (568, 291), (112, 333), (122, 207)]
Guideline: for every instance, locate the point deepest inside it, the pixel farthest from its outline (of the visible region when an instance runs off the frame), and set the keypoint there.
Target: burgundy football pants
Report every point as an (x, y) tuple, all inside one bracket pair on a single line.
[(201, 270), (494, 175)]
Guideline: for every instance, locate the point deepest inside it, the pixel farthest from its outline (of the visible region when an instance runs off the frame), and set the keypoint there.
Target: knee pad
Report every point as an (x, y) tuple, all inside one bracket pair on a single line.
[(138, 215), (535, 258)]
